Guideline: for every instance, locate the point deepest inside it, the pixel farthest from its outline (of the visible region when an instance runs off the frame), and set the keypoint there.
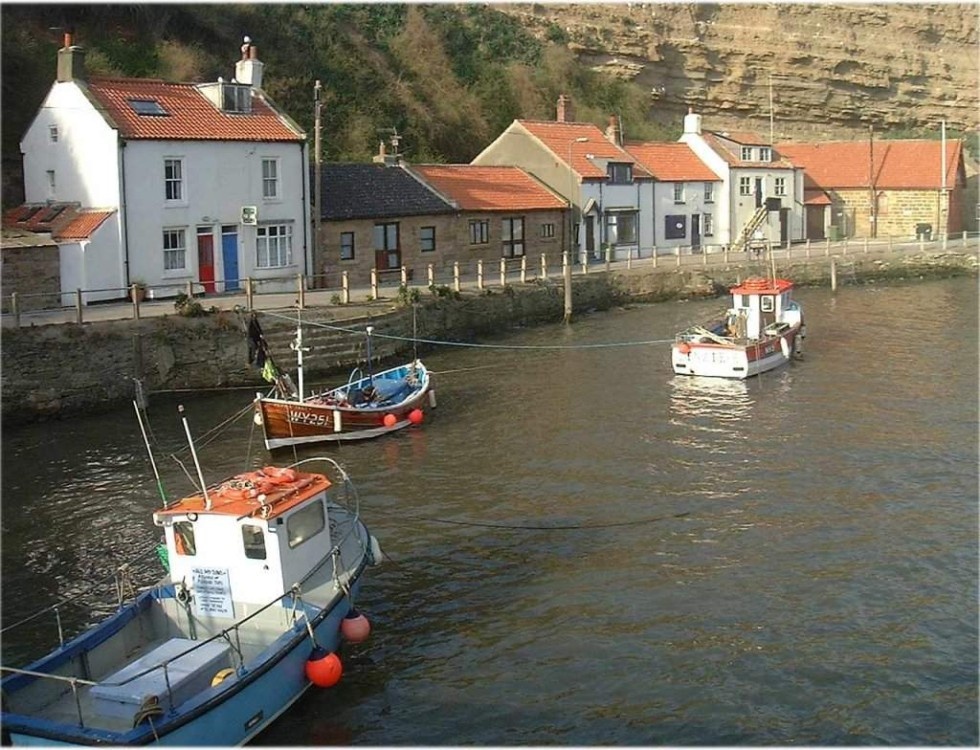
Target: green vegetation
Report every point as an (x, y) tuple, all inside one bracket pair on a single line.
[(449, 78)]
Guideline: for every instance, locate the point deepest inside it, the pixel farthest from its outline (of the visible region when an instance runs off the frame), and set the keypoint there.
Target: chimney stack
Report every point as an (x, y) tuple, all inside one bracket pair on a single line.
[(564, 113), (249, 68), (613, 132), (71, 61), (692, 122)]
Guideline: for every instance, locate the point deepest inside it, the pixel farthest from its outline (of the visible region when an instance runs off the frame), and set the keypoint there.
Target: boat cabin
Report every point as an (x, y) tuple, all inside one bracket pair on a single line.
[(247, 540), (759, 306)]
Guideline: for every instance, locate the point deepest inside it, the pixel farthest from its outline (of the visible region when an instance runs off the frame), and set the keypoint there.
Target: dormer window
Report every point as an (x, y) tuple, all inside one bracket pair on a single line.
[(236, 98), (765, 154), (746, 153), (619, 174), (148, 108)]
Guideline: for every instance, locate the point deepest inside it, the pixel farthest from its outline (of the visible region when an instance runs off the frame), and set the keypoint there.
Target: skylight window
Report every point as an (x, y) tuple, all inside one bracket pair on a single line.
[(147, 108)]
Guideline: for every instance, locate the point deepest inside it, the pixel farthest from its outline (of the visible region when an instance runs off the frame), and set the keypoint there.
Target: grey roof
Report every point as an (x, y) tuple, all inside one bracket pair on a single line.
[(374, 191)]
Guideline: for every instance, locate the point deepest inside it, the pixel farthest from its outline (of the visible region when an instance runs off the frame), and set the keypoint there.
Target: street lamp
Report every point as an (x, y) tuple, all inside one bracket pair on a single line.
[(571, 231)]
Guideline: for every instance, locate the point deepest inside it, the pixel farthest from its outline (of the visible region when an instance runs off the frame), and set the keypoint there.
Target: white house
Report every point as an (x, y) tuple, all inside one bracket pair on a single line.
[(609, 194), (762, 196), (688, 198), (209, 182)]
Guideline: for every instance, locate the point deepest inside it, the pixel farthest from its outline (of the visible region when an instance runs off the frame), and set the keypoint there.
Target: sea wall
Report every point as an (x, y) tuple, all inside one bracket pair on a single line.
[(57, 371)]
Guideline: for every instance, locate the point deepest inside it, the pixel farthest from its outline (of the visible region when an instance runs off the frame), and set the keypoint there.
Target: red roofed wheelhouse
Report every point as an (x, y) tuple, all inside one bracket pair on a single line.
[(206, 183)]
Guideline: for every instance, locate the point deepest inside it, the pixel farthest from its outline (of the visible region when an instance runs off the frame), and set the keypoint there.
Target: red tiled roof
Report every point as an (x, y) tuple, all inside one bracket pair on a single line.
[(744, 138), (716, 141), (65, 221), (815, 198), (559, 137), (479, 188), (671, 162), (190, 116), (897, 164)]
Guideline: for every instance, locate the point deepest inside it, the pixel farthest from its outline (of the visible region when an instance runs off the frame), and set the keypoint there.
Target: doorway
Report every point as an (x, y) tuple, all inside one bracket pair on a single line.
[(229, 256), (695, 231), (205, 258)]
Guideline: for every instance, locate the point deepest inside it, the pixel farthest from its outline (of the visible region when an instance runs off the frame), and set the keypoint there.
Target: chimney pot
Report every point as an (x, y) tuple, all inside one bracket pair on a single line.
[(68, 39)]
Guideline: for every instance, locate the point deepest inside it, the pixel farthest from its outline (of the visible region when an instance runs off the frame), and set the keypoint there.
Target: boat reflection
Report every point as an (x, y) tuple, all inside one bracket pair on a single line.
[(715, 398)]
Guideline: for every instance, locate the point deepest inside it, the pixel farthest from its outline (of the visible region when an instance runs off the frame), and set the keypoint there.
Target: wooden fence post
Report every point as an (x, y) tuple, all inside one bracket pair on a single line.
[(374, 283), (78, 306), (404, 275), (15, 308), (249, 294), (523, 269), (479, 274), (544, 267), (431, 271), (456, 274), (503, 272), (345, 288), (301, 291)]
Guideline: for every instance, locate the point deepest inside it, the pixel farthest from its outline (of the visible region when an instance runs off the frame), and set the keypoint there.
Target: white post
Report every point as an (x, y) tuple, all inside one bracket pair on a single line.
[(503, 272), (544, 266), (404, 276), (374, 283), (431, 271), (345, 288), (456, 274), (523, 269), (479, 274)]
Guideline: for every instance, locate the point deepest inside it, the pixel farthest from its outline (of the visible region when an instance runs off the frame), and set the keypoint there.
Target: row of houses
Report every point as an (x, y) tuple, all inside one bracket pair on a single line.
[(164, 183)]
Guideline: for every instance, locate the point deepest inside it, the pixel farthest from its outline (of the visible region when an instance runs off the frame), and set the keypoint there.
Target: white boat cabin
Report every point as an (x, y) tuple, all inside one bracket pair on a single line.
[(248, 540), (762, 308)]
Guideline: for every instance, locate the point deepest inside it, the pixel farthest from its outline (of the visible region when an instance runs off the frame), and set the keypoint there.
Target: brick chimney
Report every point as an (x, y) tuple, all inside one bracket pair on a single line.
[(249, 68), (71, 61), (564, 113), (614, 133)]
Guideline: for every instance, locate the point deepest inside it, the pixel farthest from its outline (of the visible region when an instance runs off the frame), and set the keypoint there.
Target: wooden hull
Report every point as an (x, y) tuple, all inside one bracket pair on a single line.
[(327, 418), (735, 360)]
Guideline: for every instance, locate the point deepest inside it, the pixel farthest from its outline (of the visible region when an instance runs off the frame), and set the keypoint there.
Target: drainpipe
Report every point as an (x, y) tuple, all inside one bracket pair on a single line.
[(124, 206)]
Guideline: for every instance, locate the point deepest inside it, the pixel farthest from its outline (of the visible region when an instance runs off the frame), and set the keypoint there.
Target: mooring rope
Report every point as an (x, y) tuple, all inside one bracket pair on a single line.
[(570, 527)]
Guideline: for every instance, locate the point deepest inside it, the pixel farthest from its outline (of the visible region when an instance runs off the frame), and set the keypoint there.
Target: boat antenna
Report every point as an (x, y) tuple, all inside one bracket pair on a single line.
[(370, 330), (153, 463), (297, 346), (197, 464), (415, 330)]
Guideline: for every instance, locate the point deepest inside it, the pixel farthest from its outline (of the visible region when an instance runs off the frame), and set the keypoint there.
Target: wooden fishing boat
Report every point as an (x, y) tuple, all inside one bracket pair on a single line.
[(264, 568), (762, 330), (368, 405)]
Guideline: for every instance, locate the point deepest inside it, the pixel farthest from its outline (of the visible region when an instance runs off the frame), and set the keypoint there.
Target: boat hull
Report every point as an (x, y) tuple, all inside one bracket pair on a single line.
[(738, 361)]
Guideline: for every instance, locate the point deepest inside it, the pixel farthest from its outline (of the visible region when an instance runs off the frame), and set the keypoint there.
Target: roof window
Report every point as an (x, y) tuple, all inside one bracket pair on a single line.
[(148, 108)]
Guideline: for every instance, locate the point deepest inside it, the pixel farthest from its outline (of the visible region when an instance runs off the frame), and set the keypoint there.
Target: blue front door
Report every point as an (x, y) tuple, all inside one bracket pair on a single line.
[(229, 254)]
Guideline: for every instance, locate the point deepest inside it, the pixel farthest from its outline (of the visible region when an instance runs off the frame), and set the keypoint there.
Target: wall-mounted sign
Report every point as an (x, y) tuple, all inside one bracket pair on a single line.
[(250, 215)]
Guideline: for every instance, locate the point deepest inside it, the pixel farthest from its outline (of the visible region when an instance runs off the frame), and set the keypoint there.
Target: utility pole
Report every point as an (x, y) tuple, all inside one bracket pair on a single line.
[(318, 187)]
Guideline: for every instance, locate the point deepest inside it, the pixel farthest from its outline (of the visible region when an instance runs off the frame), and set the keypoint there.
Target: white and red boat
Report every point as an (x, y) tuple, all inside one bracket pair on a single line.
[(762, 330)]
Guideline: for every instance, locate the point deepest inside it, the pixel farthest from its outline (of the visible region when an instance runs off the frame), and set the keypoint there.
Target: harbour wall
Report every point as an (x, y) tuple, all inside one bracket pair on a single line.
[(58, 371)]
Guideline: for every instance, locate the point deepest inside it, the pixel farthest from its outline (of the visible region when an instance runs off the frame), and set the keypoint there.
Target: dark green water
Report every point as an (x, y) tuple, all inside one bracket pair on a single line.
[(586, 549)]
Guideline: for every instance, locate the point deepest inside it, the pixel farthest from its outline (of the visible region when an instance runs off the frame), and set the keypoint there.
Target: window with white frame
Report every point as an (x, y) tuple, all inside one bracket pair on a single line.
[(273, 245), (347, 246), (53, 133), (765, 154), (621, 227), (708, 224), (745, 186), (780, 186), (174, 250), (270, 179), (479, 231), (173, 178), (746, 154), (427, 239), (512, 236), (709, 192), (678, 192)]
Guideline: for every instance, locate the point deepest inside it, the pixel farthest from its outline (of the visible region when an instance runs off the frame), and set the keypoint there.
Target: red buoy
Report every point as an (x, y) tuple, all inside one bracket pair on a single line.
[(355, 627), (324, 668), (390, 420), (415, 416), (684, 347)]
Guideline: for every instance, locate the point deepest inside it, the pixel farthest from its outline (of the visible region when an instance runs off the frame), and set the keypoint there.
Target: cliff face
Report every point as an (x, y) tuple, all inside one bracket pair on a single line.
[(833, 68)]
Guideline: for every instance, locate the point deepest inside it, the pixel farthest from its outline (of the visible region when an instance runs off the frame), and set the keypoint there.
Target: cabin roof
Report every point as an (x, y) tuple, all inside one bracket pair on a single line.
[(248, 494), (758, 285)]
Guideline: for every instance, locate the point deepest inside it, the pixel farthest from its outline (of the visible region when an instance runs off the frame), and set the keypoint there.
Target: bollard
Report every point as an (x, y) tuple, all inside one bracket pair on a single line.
[(404, 276), (544, 266), (300, 291), (249, 293), (431, 270), (345, 288), (78, 306), (134, 295), (456, 274), (479, 274), (374, 283), (629, 259), (833, 274), (503, 272), (523, 269), (654, 256), (585, 265)]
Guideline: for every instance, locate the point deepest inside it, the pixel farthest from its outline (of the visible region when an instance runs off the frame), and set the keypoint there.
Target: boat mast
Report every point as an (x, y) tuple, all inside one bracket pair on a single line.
[(370, 330), (297, 346), (153, 463), (197, 464)]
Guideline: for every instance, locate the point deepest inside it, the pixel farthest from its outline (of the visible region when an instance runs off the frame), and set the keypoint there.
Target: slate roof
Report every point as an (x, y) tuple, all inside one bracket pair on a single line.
[(906, 164), (66, 222), (189, 114), (375, 191), (671, 162), (733, 156), (489, 188), (559, 137)]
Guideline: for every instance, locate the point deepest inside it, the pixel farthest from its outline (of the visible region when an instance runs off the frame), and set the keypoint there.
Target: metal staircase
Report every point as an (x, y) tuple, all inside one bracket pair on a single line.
[(753, 223)]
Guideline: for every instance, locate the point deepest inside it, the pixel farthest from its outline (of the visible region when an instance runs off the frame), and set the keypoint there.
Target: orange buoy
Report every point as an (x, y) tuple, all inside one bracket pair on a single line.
[(390, 420), (415, 416), (684, 347), (324, 668), (355, 627)]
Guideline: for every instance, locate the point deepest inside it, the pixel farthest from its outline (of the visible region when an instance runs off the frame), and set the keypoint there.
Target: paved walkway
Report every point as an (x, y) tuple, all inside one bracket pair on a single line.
[(362, 303)]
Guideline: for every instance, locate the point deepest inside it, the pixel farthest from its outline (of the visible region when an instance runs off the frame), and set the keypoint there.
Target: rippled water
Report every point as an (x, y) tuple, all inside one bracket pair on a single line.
[(586, 549)]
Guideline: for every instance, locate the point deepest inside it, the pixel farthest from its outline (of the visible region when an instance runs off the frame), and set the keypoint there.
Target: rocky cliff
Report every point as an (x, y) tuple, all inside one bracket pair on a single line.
[(833, 68)]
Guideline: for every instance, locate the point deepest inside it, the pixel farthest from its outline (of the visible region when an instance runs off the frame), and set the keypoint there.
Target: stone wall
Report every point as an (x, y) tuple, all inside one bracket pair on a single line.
[(34, 273), (899, 211)]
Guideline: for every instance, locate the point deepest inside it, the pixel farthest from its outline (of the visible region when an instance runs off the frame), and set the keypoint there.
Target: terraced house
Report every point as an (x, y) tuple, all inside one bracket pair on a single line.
[(203, 182)]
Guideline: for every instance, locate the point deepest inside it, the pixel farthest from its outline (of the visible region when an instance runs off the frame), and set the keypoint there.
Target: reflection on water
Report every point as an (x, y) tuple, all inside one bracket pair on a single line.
[(713, 399)]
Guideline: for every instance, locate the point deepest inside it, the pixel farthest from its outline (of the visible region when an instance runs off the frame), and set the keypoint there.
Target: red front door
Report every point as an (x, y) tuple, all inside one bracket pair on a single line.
[(205, 261)]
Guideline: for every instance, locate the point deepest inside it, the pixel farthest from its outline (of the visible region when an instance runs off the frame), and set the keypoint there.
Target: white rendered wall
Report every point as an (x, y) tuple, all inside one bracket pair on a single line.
[(694, 203)]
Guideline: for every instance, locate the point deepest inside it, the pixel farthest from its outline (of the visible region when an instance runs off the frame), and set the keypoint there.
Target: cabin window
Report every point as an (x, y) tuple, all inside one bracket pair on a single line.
[(253, 539), (767, 303), (184, 538), (304, 524)]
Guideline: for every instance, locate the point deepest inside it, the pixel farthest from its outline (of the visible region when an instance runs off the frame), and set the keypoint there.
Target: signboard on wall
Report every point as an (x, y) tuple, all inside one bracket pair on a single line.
[(250, 215)]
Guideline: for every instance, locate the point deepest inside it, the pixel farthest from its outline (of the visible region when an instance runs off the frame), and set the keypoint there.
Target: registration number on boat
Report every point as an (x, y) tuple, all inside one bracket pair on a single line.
[(317, 419)]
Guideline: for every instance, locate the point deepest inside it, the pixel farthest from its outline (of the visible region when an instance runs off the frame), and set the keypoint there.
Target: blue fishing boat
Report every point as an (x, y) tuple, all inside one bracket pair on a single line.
[(264, 568)]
